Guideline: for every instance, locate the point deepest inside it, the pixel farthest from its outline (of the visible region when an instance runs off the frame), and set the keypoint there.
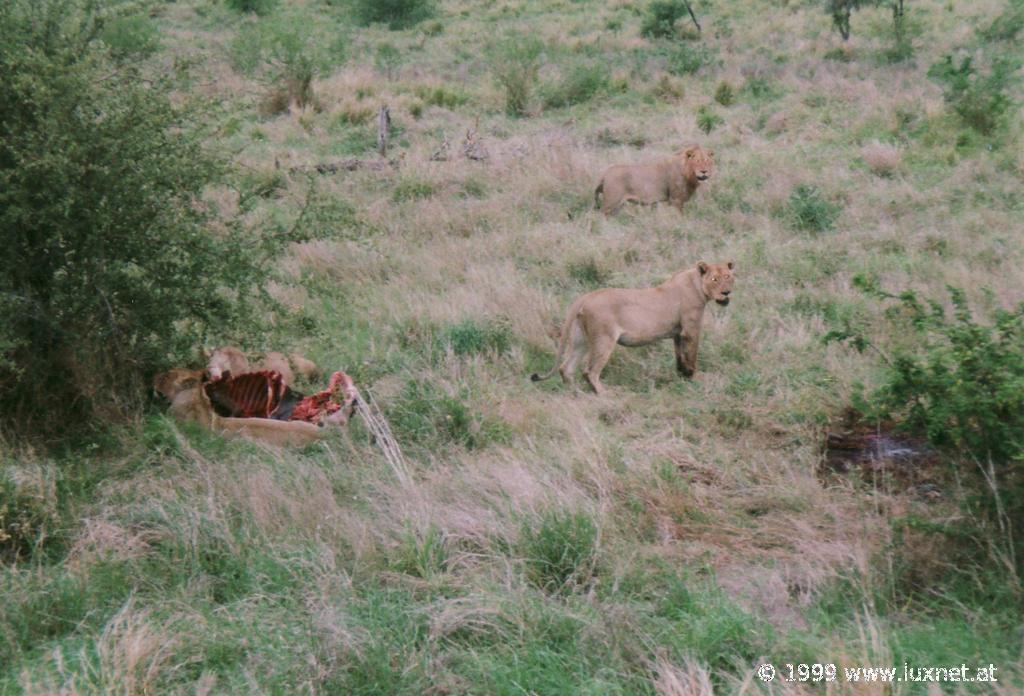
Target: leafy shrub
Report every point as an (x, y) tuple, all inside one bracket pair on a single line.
[(397, 14), (422, 553), (560, 552), (470, 337), (662, 17), (259, 7), (1008, 25), (980, 101), (725, 94), (582, 83), (111, 269), (810, 212), (133, 36), (684, 59), (964, 388), (707, 119), (515, 63)]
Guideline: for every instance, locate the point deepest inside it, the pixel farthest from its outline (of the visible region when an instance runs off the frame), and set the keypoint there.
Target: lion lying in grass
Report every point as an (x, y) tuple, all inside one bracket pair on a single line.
[(230, 359), (601, 319), (190, 400), (674, 179)]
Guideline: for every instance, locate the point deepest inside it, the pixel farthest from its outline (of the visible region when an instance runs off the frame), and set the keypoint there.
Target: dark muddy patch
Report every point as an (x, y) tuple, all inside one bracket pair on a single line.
[(884, 457)]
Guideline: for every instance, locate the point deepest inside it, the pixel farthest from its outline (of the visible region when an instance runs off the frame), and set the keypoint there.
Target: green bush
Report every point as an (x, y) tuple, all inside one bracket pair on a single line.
[(397, 14), (685, 59), (1008, 25), (961, 385), (810, 212), (662, 17), (981, 101), (725, 94), (442, 96), (110, 269), (133, 36), (259, 7), (707, 119), (427, 416), (515, 63), (580, 84), (561, 551)]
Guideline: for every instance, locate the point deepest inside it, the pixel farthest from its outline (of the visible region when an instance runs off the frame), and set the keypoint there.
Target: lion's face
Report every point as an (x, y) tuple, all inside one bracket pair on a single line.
[(717, 279), (171, 383), (698, 163)]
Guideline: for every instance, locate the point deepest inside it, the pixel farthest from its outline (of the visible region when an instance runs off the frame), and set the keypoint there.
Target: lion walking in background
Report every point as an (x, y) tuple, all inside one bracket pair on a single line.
[(674, 179)]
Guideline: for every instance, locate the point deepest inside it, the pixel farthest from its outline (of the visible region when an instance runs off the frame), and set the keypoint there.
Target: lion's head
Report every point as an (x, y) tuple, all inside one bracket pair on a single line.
[(716, 280), (698, 163), (171, 383)]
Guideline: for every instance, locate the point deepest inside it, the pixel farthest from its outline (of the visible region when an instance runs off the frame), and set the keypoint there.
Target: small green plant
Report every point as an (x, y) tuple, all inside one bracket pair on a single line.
[(810, 212), (470, 337), (580, 84), (442, 96), (981, 101), (560, 551), (725, 94), (412, 189), (661, 20), (422, 553), (515, 63), (587, 272), (685, 59), (426, 416), (387, 58), (397, 14), (707, 119)]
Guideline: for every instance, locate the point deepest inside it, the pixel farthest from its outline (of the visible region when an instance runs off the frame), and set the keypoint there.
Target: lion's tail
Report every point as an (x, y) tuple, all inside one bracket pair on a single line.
[(597, 193), (563, 343)]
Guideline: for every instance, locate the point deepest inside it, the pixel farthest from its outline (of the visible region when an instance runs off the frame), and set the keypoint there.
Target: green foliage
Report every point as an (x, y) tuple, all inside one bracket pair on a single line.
[(587, 272), (1008, 25), (725, 94), (442, 96), (131, 37), (809, 211), (684, 59), (841, 10), (111, 268), (470, 337), (560, 551), (965, 387), (707, 119), (387, 58), (660, 21), (412, 190), (397, 14), (259, 7), (422, 553), (581, 83), (981, 101), (427, 416), (515, 63)]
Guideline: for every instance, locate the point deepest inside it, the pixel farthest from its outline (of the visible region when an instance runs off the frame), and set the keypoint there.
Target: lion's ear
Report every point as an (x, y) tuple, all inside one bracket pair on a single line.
[(702, 267), (711, 153), (690, 151), (730, 264)]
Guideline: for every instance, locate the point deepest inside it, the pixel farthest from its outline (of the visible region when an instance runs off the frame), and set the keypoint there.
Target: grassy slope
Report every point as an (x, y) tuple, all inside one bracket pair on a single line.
[(698, 537)]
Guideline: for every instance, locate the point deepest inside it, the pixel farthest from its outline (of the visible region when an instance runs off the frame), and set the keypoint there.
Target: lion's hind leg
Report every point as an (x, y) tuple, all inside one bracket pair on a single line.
[(576, 350), (600, 351)]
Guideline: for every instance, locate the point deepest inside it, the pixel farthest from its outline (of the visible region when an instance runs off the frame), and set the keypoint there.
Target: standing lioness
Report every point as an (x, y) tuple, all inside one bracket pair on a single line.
[(674, 179), (674, 309)]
